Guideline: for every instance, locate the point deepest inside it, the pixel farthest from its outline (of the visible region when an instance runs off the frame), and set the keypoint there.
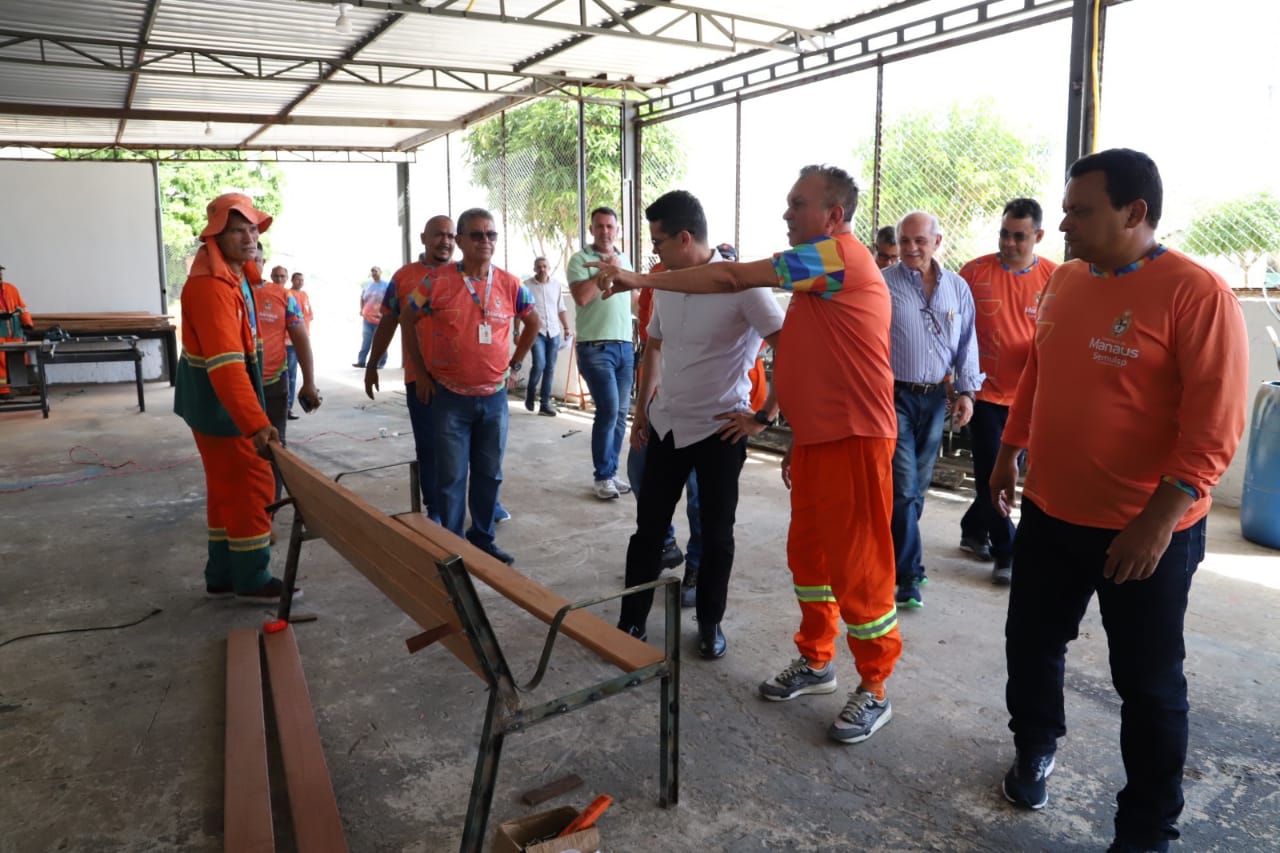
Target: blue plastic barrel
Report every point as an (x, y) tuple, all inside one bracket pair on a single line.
[(1260, 503)]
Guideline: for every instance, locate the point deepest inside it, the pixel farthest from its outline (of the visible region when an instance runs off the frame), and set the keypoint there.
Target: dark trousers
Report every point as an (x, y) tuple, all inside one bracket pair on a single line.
[(1060, 570), (666, 468), (276, 399), (424, 449), (982, 521)]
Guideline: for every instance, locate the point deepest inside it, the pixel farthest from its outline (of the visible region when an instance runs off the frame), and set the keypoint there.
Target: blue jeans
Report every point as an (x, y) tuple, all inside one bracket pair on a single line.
[(470, 436), (544, 353), (366, 341), (424, 449), (920, 419), (1061, 569), (982, 521), (635, 473), (291, 365), (607, 367)]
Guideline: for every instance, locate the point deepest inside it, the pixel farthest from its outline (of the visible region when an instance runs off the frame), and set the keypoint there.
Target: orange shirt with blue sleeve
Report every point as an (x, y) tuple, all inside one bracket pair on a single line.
[(1005, 302), (452, 308), (1131, 378), (831, 372), (278, 312)]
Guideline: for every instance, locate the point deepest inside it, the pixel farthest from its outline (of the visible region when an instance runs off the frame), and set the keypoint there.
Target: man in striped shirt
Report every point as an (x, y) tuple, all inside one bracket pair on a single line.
[(931, 338)]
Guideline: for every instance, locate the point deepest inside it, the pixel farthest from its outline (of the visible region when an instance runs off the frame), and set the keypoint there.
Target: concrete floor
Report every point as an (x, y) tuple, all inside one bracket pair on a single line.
[(112, 740)]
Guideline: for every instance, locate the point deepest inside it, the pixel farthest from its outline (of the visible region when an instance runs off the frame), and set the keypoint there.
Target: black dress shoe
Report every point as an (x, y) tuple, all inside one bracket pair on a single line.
[(492, 549), (711, 641), (671, 557)]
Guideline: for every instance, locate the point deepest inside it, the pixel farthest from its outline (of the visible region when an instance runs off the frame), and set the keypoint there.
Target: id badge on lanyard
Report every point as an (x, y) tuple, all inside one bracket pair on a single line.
[(484, 331)]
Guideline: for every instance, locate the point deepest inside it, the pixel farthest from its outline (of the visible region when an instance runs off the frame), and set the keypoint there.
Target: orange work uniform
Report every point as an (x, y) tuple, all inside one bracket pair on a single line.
[(835, 386), (219, 395), (14, 320)]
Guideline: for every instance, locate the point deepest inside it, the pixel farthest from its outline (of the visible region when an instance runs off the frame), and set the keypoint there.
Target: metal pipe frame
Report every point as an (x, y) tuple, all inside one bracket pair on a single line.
[(504, 715)]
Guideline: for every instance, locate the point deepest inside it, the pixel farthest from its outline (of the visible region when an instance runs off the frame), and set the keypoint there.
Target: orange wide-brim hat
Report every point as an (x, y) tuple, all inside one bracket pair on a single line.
[(219, 210)]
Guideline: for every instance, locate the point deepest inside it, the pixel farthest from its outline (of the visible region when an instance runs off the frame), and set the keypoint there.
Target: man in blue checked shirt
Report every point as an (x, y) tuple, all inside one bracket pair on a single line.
[(931, 338)]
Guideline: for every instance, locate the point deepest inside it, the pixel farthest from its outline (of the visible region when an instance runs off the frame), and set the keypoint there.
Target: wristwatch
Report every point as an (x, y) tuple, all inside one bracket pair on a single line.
[(972, 397), (762, 418)]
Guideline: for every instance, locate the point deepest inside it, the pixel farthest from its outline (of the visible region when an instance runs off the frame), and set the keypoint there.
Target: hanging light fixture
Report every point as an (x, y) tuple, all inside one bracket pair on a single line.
[(208, 129), (343, 24)]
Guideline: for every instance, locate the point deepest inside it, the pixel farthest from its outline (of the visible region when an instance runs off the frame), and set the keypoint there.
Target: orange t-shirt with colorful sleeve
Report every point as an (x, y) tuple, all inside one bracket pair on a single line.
[(1005, 320), (450, 310), (404, 280), (831, 371), (1132, 377)]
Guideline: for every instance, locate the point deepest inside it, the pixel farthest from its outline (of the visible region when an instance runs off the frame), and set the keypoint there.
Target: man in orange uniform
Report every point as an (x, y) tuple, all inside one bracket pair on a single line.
[(835, 386), (219, 395), (1153, 349), (1006, 289), (15, 319), (280, 323), (466, 311)]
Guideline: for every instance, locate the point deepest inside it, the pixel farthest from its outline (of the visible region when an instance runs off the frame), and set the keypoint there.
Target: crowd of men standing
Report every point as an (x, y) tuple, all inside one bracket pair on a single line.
[(1120, 376)]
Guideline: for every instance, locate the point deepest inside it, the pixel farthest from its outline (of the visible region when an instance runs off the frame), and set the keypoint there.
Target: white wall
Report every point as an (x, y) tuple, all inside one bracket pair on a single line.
[(1262, 368), (80, 237)]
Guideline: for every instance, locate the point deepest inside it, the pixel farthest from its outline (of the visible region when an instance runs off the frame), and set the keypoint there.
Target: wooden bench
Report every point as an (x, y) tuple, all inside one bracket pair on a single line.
[(428, 573)]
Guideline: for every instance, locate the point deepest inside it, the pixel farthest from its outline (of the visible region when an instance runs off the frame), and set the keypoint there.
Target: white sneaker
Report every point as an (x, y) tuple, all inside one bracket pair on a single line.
[(621, 485), (606, 490)]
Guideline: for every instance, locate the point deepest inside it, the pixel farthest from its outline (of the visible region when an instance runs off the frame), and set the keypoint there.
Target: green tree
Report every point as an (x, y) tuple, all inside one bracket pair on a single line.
[(1244, 230), (539, 171), (185, 191), (961, 164)]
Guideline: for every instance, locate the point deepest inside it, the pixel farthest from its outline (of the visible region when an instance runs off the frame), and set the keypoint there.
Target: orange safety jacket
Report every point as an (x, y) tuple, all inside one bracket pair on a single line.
[(219, 382)]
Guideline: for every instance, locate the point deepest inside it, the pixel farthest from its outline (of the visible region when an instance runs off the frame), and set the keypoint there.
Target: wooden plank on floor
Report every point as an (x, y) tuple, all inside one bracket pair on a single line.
[(317, 828), (622, 650), (247, 792)]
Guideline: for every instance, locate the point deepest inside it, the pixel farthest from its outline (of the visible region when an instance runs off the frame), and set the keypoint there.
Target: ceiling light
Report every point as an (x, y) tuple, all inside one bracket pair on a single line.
[(343, 24), (208, 129)]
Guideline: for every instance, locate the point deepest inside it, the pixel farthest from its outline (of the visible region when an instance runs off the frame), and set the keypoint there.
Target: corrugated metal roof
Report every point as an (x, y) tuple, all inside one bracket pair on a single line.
[(69, 69)]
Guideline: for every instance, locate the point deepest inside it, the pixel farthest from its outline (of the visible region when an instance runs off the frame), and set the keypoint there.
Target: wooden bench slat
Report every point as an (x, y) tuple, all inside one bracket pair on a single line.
[(247, 789), (622, 650), (317, 827), (383, 551)]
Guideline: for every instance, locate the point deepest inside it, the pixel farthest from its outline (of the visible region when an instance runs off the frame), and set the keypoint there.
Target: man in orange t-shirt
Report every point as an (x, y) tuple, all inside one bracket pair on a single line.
[(1130, 407), (461, 362), (281, 325), (438, 243), (833, 380), (291, 355), (1006, 290)]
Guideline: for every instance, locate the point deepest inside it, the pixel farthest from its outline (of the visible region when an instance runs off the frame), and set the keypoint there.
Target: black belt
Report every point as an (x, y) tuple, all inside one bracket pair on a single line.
[(917, 387)]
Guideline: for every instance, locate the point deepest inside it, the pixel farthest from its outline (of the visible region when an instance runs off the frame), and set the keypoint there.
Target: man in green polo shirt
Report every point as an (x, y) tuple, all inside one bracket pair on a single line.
[(605, 354)]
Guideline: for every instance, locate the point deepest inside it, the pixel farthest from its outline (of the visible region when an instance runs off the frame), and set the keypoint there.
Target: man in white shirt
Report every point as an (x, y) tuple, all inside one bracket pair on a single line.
[(700, 350), (548, 301)]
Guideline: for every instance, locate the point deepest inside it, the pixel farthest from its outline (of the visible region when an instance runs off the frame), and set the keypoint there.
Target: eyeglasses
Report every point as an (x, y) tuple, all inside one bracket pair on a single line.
[(477, 236), (885, 256), (1016, 236), (932, 321)]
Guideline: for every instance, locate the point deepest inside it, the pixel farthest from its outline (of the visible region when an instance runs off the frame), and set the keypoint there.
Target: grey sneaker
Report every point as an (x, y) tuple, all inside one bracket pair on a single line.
[(605, 490), (621, 485), (863, 715), (798, 680), (977, 547), (1002, 574)]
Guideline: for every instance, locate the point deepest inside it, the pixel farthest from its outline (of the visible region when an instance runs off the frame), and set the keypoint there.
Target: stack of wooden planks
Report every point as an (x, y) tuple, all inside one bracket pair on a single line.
[(101, 323)]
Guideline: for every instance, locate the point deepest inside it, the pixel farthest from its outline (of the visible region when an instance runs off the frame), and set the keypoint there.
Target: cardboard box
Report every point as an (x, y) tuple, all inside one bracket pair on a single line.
[(514, 836)]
